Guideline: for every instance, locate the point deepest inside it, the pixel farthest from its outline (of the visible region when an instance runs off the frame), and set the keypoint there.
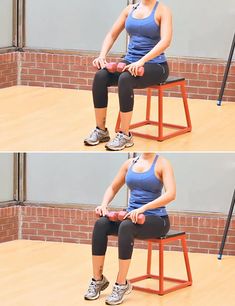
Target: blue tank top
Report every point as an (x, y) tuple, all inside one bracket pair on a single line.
[(144, 188), (144, 35)]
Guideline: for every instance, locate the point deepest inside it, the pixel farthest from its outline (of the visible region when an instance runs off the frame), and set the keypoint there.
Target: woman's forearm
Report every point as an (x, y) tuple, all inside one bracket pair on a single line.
[(157, 50), (163, 200), (108, 196), (107, 45)]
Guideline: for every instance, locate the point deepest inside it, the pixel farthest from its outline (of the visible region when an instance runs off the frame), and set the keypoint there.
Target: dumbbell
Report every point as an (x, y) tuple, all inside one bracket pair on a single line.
[(140, 219), (111, 215), (111, 67), (121, 66)]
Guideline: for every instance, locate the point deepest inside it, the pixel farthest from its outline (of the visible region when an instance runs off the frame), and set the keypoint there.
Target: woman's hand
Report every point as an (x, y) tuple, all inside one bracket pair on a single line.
[(133, 215), (99, 62), (133, 68), (101, 210)]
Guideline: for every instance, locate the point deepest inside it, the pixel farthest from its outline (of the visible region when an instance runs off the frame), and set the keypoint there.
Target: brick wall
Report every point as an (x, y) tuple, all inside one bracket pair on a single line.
[(8, 223), (8, 69), (203, 76), (204, 232), (32, 68)]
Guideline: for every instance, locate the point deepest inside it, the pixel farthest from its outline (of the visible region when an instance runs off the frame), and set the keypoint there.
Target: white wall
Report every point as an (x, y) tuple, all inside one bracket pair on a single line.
[(6, 23), (201, 28), (205, 181), (71, 24), (73, 178), (6, 177)]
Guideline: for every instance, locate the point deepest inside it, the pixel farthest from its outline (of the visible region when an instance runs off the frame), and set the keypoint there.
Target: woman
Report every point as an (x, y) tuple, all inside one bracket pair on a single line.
[(149, 25), (145, 176)]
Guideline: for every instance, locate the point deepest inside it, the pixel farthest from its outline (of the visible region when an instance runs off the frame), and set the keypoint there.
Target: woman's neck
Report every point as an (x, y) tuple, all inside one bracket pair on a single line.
[(148, 156), (148, 2)]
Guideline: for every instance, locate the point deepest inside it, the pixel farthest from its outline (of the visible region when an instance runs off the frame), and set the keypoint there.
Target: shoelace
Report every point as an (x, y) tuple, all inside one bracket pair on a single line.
[(92, 287), (115, 291), (95, 131), (118, 137)]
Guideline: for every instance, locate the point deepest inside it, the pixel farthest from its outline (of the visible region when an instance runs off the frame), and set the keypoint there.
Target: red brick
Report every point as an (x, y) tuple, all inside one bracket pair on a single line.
[(36, 83), (87, 75), (29, 231), (62, 234), (41, 238), (70, 227), (215, 238), (70, 73), (61, 66), (44, 66), (208, 245), (37, 225), (52, 226), (44, 78), (199, 237), (54, 239), (62, 220), (79, 235), (36, 71), (70, 240), (45, 219), (61, 80), (76, 67), (70, 86), (53, 85), (78, 81), (45, 232), (53, 72)]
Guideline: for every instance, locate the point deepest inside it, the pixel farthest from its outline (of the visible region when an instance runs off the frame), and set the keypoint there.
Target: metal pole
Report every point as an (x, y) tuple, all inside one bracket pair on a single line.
[(22, 178), (227, 226), (21, 24), (226, 72)]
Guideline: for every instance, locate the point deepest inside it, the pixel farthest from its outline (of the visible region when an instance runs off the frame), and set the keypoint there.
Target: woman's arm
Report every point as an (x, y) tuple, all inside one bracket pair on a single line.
[(113, 188), (168, 180), (166, 35), (161, 46), (111, 37)]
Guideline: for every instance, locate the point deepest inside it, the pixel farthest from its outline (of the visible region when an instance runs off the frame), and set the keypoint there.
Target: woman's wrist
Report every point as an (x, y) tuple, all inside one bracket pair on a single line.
[(104, 205), (142, 209), (102, 56)]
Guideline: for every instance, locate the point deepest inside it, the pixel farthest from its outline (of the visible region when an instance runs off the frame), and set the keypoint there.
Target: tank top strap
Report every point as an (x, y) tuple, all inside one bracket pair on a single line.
[(155, 7), (154, 162)]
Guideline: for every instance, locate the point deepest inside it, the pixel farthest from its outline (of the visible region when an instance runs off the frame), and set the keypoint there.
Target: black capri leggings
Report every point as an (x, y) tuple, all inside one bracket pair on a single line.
[(153, 74), (126, 231)]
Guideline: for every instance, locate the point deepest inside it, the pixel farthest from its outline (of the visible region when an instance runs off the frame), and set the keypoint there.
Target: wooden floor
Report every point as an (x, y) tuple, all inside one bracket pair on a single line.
[(48, 119), (34, 273)]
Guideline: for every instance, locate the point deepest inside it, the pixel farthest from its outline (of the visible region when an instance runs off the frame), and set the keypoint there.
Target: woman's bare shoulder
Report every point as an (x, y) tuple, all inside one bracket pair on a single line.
[(164, 9)]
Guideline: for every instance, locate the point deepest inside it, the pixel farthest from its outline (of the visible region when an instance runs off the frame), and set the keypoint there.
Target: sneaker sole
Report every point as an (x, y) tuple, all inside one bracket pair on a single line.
[(120, 148), (98, 294), (97, 142)]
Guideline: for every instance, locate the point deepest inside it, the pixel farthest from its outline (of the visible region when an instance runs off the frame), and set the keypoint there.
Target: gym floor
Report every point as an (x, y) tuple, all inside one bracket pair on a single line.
[(40, 273), (49, 119)]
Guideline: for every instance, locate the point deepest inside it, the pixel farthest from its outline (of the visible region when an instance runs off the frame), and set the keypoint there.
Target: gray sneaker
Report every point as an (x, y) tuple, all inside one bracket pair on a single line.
[(97, 136), (120, 142), (95, 287), (117, 295)]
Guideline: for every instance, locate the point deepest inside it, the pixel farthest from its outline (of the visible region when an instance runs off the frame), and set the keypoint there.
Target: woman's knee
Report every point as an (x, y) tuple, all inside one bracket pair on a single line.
[(101, 224), (126, 228), (101, 77), (126, 236), (125, 80), (126, 93)]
